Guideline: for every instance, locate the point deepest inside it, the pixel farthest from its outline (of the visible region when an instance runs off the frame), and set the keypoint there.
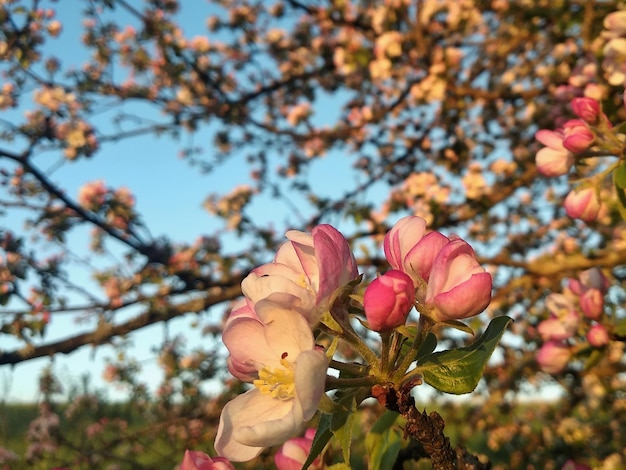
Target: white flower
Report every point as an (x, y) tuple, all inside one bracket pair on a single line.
[(291, 376)]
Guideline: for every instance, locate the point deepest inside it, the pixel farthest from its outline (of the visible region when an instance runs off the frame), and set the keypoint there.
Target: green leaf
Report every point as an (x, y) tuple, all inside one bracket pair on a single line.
[(618, 180), (619, 176), (595, 357), (339, 466), (322, 436), (458, 325), (458, 371), (428, 346), (384, 441), (341, 424)]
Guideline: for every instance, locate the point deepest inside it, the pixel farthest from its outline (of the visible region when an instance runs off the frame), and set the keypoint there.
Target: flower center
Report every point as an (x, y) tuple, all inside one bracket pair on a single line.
[(278, 382)]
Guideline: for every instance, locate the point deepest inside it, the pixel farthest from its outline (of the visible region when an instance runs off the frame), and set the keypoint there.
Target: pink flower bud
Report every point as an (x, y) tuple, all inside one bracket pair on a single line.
[(195, 460), (598, 336), (388, 299), (458, 286), (582, 204), (578, 137), (593, 278), (572, 465), (592, 304), (294, 452), (586, 109), (402, 237), (554, 159), (557, 329), (553, 357)]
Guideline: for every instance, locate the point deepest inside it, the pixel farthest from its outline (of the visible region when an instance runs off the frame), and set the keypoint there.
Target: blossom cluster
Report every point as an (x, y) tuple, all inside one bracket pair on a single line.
[(271, 334), (577, 322)]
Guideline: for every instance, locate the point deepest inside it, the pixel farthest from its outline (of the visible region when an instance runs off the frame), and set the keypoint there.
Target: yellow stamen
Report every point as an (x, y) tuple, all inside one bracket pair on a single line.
[(278, 382)]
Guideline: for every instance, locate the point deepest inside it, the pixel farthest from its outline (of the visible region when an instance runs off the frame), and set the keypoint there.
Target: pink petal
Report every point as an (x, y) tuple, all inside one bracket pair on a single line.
[(336, 263), (310, 379), (466, 300), (402, 237)]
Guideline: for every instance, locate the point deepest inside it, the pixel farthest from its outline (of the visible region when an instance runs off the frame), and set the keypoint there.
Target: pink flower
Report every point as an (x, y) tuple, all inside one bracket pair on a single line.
[(588, 279), (195, 460), (559, 328), (388, 300), (294, 452), (554, 159), (458, 286), (553, 357), (598, 336), (306, 272), (592, 304), (586, 109), (582, 204), (407, 248), (578, 137), (572, 465)]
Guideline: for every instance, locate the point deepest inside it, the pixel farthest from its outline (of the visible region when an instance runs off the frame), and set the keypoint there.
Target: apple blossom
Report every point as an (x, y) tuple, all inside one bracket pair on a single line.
[(554, 159), (195, 460), (578, 137), (598, 336), (407, 248), (582, 204), (586, 109), (388, 300), (459, 287), (291, 375), (592, 303), (592, 278), (559, 328), (306, 271), (553, 357), (294, 452)]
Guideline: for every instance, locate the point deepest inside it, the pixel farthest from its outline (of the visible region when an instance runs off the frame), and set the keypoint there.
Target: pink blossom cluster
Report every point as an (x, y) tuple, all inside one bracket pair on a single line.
[(440, 275), (577, 320), (269, 333), (567, 145), (117, 205)]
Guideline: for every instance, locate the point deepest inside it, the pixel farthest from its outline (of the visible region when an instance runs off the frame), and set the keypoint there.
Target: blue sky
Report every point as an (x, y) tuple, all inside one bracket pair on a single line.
[(169, 195)]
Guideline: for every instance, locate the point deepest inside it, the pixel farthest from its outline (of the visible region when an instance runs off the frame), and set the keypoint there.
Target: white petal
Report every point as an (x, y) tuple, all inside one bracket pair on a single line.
[(310, 379), (236, 414), (286, 331), (264, 421)]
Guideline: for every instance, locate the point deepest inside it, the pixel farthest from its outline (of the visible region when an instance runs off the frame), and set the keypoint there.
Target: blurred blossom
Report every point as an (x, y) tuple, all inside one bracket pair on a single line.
[(592, 304), (586, 109), (582, 204), (195, 460), (559, 328), (577, 136), (554, 159), (553, 357), (598, 336), (294, 452)]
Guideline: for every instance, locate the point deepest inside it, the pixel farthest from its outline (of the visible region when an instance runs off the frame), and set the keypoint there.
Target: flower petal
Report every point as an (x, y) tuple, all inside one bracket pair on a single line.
[(310, 379), (251, 422), (286, 331)]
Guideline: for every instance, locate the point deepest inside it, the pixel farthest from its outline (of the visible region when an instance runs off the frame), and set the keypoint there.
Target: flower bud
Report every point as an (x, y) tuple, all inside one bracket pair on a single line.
[(557, 329), (578, 137), (582, 204), (554, 159), (592, 304), (195, 460), (294, 452), (553, 357), (458, 286), (598, 336), (388, 299), (586, 109)]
